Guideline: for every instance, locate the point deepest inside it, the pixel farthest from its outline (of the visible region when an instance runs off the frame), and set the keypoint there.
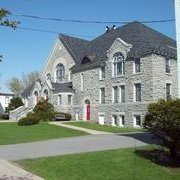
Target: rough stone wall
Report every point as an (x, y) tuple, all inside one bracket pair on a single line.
[(90, 92), (59, 54)]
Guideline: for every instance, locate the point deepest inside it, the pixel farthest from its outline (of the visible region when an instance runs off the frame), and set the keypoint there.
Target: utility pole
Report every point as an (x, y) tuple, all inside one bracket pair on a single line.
[(177, 16)]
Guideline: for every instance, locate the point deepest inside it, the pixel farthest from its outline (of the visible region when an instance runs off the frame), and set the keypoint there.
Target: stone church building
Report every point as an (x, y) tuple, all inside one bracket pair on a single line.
[(110, 79)]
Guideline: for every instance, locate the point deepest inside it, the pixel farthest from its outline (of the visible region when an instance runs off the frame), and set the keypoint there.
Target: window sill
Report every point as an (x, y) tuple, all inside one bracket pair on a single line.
[(101, 79), (119, 76), (168, 74)]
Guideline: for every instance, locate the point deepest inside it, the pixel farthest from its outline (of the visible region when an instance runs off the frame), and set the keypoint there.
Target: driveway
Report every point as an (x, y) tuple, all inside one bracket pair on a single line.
[(73, 145)]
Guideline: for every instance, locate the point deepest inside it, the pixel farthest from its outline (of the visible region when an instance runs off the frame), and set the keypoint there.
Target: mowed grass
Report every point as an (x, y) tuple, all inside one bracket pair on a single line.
[(106, 128), (122, 164), (11, 133)]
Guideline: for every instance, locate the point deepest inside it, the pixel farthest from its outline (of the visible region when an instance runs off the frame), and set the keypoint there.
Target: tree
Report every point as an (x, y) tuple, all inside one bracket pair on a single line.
[(30, 78), (5, 22), (15, 85), (163, 119)]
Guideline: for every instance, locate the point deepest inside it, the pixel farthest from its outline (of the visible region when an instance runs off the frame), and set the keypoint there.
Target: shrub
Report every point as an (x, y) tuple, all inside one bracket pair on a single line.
[(14, 103), (163, 119), (30, 119), (4, 116), (44, 110)]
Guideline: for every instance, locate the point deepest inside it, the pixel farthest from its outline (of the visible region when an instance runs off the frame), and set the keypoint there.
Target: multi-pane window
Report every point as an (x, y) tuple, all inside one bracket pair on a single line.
[(115, 94), (137, 65), (102, 73), (168, 66), (122, 93), (69, 99), (168, 91), (60, 72), (7, 99), (118, 64), (137, 120), (102, 95), (137, 92)]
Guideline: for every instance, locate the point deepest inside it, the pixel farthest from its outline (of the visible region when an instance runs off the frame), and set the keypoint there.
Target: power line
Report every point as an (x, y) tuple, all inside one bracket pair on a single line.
[(89, 21), (52, 32)]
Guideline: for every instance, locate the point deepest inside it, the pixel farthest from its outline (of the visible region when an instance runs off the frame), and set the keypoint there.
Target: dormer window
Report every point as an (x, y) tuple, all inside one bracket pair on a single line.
[(60, 72), (85, 60), (118, 64)]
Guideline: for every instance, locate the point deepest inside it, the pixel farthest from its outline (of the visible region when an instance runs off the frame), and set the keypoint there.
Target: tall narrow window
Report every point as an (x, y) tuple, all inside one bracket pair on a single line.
[(168, 91), (7, 99), (122, 120), (82, 82), (102, 95), (115, 120), (60, 72), (137, 65), (137, 92), (137, 120), (48, 77), (102, 73), (118, 64), (122, 93), (168, 66), (69, 99), (59, 99), (115, 94)]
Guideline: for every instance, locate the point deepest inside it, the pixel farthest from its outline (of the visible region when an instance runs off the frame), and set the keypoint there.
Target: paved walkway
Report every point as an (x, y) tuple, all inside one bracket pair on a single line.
[(9, 171), (72, 145), (90, 131)]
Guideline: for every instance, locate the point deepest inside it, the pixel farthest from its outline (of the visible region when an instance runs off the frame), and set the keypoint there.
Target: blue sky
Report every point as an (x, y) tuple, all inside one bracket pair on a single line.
[(25, 51)]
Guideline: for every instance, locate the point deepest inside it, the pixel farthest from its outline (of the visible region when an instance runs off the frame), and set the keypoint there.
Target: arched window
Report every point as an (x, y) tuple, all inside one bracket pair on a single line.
[(60, 72), (118, 64)]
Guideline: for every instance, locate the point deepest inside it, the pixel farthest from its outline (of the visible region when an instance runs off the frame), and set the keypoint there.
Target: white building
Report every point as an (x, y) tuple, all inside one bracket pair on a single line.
[(5, 100)]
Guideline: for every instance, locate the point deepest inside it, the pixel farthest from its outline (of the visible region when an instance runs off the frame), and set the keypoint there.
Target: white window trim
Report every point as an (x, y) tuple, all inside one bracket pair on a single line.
[(134, 67), (120, 93), (101, 114), (134, 91), (134, 119), (169, 82), (120, 119), (100, 74), (100, 94)]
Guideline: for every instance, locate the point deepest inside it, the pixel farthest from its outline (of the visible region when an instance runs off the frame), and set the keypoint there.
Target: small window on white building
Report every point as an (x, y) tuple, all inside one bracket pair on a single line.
[(69, 99), (137, 65), (168, 91), (102, 73), (122, 93), (137, 120), (82, 82), (115, 94), (102, 95), (137, 92), (168, 66), (7, 99)]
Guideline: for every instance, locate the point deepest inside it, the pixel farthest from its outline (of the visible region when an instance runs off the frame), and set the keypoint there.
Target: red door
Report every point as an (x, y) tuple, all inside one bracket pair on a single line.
[(88, 112)]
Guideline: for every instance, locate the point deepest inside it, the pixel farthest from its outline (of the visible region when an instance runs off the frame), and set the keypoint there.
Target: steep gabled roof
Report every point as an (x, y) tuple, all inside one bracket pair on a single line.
[(144, 41)]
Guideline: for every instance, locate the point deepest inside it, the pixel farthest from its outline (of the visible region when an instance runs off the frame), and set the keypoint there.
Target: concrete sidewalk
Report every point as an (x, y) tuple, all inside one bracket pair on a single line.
[(9, 171), (90, 131)]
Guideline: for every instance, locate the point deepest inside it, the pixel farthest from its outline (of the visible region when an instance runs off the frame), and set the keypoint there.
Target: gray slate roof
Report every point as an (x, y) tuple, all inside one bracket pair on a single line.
[(144, 39), (26, 92), (62, 87)]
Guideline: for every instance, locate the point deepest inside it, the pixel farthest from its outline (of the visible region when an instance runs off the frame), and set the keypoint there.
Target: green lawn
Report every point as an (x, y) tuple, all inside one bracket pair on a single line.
[(121, 164), (106, 128), (11, 133)]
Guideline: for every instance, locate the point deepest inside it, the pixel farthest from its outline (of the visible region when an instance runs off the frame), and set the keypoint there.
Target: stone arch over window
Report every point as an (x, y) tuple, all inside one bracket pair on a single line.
[(118, 64), (46, 94), (60, 72), (48, 76)]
